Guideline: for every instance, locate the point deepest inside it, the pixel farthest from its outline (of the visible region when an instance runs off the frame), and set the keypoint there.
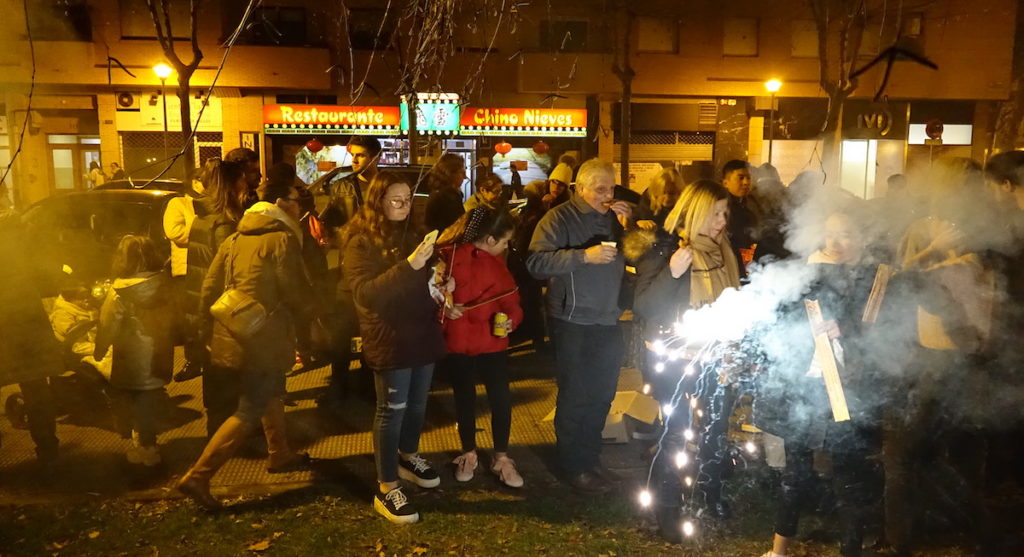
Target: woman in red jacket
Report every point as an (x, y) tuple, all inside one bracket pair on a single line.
[(486, 295)]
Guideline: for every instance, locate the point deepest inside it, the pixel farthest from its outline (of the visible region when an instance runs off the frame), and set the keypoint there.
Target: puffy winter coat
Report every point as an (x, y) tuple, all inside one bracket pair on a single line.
[(479, 276), (137, 321), (264, 260), (28, 349), (398, 319), (67, 319)]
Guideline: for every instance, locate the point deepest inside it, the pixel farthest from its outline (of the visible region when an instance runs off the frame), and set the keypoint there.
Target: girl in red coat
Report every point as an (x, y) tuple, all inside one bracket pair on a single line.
[(486, 295)]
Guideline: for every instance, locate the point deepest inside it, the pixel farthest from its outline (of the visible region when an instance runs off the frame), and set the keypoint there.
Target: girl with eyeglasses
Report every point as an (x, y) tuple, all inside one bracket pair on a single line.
[(385, 267)]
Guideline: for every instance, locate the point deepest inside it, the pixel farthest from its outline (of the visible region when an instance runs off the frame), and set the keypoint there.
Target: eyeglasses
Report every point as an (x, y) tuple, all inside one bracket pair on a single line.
[(400, 202)]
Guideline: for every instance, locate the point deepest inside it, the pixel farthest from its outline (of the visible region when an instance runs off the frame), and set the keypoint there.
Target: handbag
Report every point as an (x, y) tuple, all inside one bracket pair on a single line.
[(241, 314)]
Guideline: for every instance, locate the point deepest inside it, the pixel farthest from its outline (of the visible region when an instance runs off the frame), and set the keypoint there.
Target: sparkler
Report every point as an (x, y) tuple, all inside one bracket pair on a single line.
[(694, 338)]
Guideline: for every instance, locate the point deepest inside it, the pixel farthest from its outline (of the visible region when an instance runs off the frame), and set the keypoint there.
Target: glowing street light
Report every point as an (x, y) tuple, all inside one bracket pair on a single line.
[(163, 71), (772, 86)]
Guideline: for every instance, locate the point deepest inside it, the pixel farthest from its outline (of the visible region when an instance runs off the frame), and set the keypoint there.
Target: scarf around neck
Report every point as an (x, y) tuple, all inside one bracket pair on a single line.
[(713, 270)]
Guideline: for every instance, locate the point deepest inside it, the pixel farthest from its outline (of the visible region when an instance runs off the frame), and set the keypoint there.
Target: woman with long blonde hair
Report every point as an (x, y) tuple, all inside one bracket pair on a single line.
[(689, 264)]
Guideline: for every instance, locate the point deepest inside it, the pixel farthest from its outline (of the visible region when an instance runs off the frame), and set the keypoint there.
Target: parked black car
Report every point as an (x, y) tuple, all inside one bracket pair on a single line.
[(82, 229)]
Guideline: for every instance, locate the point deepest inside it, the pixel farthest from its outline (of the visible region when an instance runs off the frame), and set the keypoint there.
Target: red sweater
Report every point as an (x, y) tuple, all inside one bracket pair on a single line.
[(478, 277)]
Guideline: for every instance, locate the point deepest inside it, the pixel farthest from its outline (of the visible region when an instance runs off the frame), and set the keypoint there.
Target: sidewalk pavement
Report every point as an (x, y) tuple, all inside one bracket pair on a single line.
[(92, 459)]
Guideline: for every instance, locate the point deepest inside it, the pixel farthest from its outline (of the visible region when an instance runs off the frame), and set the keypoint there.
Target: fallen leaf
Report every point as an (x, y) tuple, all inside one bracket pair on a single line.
[(420, 550), (278, 534), (259, 546), (257, 525), (94, 534)]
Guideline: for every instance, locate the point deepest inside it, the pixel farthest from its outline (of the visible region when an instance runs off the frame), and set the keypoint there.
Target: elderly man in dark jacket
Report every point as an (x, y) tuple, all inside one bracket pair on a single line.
[(263, 260), (575, 248), (29, 353)]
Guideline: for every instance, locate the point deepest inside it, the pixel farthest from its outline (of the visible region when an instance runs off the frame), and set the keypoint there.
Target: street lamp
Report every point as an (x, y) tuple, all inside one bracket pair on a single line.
[(163, 71), (773, 86)]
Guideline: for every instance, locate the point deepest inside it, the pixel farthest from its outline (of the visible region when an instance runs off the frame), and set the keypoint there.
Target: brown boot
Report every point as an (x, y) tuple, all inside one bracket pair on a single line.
[(281, 458), (222, 446)]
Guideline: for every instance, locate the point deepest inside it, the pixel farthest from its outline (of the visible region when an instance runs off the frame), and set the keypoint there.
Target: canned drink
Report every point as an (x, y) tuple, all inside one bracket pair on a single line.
[(501, 324)]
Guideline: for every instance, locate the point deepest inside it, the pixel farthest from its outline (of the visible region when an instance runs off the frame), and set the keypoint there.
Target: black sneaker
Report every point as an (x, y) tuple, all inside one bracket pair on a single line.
[(418, 471), (395, 506)]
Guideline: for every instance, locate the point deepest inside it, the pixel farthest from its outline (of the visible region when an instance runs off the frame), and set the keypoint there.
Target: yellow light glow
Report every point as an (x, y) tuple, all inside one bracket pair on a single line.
[(163, 71), (773, 85)]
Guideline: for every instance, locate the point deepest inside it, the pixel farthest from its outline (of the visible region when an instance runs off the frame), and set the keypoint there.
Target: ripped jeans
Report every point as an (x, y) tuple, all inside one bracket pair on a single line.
[(401, 406)]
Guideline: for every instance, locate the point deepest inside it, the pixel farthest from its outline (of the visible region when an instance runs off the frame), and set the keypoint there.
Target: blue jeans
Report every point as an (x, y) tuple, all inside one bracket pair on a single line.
[(401, 407), (589, 358)]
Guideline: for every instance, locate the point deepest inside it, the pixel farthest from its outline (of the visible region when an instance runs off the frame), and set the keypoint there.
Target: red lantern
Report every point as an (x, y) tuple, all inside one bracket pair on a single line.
[(503, 148), (540, 147), (314, 145)]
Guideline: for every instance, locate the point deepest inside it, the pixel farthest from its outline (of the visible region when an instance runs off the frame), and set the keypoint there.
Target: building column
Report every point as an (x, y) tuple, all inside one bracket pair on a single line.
[(31, 171), (110, 140)]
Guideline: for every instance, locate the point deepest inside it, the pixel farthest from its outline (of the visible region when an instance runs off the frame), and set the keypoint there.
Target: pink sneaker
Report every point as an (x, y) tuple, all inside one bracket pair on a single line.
[(465, 465), (505, 468)]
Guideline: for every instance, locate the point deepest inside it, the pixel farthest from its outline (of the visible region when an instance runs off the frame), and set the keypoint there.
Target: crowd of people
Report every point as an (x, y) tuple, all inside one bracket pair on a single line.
[(938, 257)]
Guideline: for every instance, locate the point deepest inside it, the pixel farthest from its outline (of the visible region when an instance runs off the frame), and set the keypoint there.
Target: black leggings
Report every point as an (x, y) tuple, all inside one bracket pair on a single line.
[(463, 372), (853, 479)]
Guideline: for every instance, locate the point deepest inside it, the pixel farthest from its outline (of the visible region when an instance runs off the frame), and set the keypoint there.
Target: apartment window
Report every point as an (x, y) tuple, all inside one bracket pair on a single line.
[(60, 20), (563, 35), (276, 26), (913, 25), (740, 37), (804, 39), (657, 35), (136, 23), (365, 31)]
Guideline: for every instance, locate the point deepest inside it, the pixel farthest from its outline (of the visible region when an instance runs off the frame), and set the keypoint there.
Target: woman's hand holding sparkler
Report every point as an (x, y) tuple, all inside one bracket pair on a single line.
[(680, 261)]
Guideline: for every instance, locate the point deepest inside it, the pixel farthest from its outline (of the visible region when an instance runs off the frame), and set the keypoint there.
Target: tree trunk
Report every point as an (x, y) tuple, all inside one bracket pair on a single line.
[(832, 140), (189, 157), (1011, 111)]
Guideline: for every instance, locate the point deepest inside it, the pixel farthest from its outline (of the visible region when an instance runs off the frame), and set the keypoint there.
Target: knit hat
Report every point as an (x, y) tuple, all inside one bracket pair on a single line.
[(562, 173)]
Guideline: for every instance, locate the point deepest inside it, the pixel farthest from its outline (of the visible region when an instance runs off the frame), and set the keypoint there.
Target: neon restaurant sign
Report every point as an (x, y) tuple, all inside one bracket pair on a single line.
[(330, 119), (553, 122)]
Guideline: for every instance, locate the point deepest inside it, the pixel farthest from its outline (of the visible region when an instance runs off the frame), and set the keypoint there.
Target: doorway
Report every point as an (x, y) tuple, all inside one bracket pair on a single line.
[(70, 158)]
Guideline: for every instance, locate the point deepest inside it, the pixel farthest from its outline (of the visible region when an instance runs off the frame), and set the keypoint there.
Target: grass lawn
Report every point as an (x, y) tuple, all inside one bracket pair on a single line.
[(480, 519)]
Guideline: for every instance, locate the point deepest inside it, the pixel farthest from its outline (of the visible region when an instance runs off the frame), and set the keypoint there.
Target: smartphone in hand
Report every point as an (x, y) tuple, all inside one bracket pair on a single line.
[(431, 237)]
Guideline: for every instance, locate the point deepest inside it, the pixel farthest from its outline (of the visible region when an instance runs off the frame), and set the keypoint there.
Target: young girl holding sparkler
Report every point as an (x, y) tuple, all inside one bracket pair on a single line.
[(477, 341), (686, 265)]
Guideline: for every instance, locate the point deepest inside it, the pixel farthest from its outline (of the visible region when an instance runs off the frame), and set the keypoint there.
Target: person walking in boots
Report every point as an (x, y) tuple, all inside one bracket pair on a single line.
[(262, 261)]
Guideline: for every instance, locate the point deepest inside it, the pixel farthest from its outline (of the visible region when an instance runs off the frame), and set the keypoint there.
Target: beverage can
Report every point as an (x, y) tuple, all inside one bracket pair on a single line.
[(501, 325)]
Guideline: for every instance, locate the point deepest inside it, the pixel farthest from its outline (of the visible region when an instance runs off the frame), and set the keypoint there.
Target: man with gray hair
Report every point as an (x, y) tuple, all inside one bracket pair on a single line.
[(575, 248)]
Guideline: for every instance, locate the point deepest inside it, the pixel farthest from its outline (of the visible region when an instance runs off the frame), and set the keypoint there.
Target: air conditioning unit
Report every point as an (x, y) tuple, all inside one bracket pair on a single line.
[(127, 102)]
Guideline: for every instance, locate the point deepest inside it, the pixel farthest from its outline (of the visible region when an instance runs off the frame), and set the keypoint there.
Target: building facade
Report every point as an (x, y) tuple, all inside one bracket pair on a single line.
[(698, 94)]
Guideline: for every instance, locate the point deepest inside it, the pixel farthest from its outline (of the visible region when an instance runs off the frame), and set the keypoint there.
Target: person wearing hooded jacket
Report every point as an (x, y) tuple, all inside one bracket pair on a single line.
[(263, 260), (135, 321)]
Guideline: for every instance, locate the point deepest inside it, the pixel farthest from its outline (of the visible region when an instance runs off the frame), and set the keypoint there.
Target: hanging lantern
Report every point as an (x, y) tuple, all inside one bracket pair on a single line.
[(314, 145), (540, 147), (503, 148)]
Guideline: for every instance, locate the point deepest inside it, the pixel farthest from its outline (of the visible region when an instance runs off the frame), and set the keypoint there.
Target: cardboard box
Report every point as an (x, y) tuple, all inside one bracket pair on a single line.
[(626, 406)]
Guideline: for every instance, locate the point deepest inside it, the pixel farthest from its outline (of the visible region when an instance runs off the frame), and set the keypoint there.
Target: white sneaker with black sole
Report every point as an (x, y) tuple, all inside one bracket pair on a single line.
[(395, 506), (418, 471)]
